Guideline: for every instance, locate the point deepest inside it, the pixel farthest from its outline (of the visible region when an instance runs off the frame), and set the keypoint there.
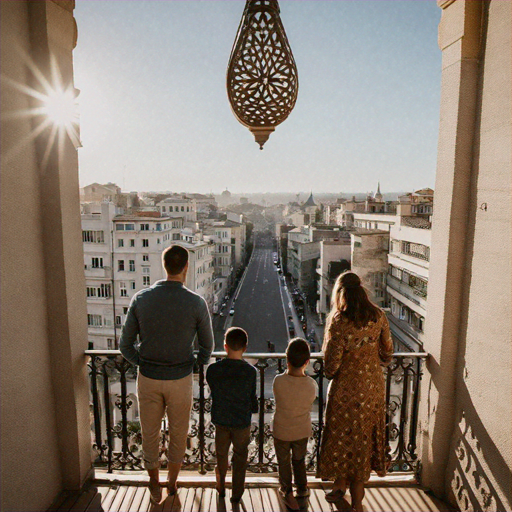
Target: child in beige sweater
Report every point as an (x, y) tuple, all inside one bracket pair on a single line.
[(294, 394)]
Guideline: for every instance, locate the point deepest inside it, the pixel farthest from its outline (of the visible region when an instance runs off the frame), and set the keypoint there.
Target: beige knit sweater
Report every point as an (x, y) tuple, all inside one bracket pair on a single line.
[(294, 397)]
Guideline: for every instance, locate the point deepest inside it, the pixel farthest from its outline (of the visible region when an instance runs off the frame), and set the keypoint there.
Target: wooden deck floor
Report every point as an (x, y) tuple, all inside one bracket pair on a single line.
[(258, 497)]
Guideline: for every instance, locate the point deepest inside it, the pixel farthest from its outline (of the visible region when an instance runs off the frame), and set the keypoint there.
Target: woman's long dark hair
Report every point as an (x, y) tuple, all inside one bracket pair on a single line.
[(350, 301)]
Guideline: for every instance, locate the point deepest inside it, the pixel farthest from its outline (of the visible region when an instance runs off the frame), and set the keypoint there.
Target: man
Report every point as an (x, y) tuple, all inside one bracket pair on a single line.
[(166, 319)]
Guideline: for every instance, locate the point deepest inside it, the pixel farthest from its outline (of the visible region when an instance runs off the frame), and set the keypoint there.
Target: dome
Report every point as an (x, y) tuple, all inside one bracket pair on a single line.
[(226, 193)]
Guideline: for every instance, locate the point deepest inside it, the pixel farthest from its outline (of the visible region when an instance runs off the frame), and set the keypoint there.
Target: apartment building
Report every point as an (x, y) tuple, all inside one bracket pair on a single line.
[(122, 255), (369, 258), (407, 279), (179, 206), (303, 252), (200, 275), (404, 288), (334, 259)]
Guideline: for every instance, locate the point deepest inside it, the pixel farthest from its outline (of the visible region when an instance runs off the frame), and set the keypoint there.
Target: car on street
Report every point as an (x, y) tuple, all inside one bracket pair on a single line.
[(221, 313), (231, 311)]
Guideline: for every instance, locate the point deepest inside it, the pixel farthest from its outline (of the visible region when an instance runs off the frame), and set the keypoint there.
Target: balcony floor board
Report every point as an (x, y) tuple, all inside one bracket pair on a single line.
[(258, 497)]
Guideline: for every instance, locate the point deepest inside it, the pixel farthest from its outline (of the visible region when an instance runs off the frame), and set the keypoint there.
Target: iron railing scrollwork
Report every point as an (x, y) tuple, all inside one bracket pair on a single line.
[(115, 428)]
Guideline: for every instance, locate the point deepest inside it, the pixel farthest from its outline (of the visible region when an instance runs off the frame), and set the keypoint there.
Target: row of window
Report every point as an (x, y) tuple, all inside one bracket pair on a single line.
[(104, 291), (176, 209), (412, 249), (93, 237), (403, 312), (419, 284)]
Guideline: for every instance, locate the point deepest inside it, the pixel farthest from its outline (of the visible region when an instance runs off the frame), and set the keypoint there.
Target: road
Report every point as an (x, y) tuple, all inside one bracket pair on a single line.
[(258, 303)]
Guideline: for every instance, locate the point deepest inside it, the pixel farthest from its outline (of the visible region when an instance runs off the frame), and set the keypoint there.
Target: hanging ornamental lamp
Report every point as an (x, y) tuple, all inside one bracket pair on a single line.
[(262, 79)]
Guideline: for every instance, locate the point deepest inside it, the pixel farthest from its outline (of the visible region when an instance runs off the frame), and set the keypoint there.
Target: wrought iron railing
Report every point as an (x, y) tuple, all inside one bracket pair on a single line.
[(115, 427)]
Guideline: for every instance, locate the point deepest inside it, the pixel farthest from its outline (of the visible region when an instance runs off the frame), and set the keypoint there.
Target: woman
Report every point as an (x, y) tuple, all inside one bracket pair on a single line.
[(356, 343)]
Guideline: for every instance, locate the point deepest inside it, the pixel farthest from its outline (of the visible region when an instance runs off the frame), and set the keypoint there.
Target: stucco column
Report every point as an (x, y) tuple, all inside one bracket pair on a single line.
[(459, 40), (53, 36)]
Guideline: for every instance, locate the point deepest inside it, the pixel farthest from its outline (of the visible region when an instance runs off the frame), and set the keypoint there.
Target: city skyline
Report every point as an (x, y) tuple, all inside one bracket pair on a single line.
[(155, 115)]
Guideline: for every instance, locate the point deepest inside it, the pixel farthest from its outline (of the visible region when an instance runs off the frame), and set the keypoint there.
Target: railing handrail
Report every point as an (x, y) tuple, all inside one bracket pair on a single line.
[(260, 355)]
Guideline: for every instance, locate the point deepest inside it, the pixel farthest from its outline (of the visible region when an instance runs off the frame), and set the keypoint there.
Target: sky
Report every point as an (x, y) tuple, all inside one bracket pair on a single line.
[(154, 113)]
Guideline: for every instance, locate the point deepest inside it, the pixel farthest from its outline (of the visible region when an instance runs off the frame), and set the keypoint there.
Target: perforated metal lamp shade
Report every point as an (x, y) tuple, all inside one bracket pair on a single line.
[(262, 81)]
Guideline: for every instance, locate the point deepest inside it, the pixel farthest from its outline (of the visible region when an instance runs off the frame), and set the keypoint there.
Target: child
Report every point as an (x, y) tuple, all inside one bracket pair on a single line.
[(294, 393), (232, 383)]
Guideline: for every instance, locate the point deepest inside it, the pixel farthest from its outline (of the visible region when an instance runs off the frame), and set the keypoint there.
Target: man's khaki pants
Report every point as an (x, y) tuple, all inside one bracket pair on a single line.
[(157, 397)]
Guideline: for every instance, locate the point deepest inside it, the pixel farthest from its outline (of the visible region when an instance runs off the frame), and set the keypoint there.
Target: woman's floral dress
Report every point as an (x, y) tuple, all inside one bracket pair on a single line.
[(354, 437)]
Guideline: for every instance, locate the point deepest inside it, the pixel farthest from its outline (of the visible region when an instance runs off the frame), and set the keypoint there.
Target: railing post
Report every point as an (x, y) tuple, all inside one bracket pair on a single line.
[(403, 410), (261, 428), (108, 419), (124, 414), (320, 408), (96, 406), (415, 409), (388, 396), (202, 443)]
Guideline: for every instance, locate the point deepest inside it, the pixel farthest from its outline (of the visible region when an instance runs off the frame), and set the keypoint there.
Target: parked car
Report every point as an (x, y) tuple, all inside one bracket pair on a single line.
[(231, 311), (221, 313)]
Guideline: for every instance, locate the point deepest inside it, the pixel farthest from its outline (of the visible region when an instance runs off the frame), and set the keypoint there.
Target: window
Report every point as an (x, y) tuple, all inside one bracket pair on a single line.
[(129, 227), (145, 242), (146, 270), (182, 208), (131, 264), (132, 285), (170, 209), (188, 209), (125, 311), (158, 241), (158, 226), (145, 257), (118, 320), (94, 320), (104, 291), (122, 289), (110, 344), (91, 292), (146, 280), (120, 243), (94, 237), (175, 236), (120, 265), (97, 262), (119, 227), (144, 227), (164, 209), (132, 242)]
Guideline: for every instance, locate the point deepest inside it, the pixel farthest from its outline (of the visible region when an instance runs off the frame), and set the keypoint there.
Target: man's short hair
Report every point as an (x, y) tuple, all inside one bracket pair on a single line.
[(236, 338), (297, 352), (175, 258)]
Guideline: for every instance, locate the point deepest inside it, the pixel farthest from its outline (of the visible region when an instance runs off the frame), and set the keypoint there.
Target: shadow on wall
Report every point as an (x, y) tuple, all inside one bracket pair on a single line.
[(475, 487)]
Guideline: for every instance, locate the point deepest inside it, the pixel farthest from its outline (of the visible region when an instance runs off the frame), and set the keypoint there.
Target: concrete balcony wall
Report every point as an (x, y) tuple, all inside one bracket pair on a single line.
[(45, 441), (466, 446)]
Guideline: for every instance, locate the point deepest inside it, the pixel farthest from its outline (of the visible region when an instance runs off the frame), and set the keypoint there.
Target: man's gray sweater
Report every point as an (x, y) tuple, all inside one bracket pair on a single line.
[(166, 317)]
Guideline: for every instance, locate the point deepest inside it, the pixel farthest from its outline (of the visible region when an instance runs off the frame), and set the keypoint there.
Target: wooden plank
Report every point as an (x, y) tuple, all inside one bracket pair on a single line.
[(95, 504), (319, 496), (137, 498), (256, 500), (126, 504), (187, 504), (109, 497), (59, 500), (380, 502), (84, 500), (70, 500), (196, 503), (115, 505), (207, 498), (275, 503), (265, 499), (145, 501)]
